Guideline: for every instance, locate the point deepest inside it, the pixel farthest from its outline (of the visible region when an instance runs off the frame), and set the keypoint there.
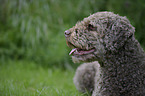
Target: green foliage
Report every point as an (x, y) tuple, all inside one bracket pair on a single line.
[(33, 29)]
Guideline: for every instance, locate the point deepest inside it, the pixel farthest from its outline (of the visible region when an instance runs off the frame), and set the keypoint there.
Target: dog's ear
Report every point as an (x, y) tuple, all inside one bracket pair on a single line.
[(118, 34)]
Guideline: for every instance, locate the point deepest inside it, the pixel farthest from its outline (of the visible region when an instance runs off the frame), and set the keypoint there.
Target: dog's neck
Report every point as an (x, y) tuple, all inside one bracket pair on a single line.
[(121, 72)]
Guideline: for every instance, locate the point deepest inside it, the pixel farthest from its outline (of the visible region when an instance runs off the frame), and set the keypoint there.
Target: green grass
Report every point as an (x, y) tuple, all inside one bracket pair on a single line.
[(19, 78)]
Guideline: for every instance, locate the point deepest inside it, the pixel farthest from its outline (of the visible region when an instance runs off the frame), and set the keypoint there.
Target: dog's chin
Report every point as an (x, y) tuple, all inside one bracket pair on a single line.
[(84, 58)]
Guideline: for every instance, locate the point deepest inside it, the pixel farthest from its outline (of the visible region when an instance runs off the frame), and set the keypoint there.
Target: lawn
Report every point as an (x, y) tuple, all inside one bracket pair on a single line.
[(23, 78)]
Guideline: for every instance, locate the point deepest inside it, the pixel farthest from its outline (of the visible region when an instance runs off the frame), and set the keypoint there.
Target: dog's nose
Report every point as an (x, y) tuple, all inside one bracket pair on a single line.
[(67, 33)]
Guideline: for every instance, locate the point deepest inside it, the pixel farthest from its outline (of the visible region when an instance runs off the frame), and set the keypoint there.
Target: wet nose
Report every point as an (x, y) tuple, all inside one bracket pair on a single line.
[(67, 33)]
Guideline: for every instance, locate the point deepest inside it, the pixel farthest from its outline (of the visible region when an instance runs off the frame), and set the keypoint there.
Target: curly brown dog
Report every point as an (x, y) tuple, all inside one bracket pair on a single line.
[(109, 39)]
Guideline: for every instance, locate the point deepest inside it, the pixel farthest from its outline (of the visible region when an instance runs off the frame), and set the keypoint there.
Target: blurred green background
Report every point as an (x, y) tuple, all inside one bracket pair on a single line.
[(34, 29), (32, 33)]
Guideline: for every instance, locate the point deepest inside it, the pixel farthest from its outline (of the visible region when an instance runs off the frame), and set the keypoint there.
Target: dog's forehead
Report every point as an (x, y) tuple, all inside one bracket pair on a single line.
[(92, 19)]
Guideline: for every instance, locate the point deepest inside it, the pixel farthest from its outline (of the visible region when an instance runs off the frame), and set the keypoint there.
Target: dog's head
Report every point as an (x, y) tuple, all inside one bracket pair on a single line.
[(97, 34)]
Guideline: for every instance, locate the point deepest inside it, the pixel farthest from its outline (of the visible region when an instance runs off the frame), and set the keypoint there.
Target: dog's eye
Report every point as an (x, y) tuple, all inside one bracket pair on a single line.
[(91, 27)]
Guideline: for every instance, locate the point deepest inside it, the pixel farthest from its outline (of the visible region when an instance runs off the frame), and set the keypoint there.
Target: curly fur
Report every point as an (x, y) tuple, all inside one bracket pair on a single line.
[(109, 39), (87, 71)]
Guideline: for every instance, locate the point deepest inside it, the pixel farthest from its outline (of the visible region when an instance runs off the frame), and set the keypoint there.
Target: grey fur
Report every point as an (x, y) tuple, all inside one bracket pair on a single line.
[(87, 71), (120, 71)]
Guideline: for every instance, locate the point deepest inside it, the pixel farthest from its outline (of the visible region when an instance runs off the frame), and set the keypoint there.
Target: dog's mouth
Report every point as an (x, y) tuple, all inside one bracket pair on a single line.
[(78, 51)]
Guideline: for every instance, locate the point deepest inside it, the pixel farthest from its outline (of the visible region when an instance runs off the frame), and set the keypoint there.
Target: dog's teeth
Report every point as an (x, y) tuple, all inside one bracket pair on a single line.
[(72, 51)]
